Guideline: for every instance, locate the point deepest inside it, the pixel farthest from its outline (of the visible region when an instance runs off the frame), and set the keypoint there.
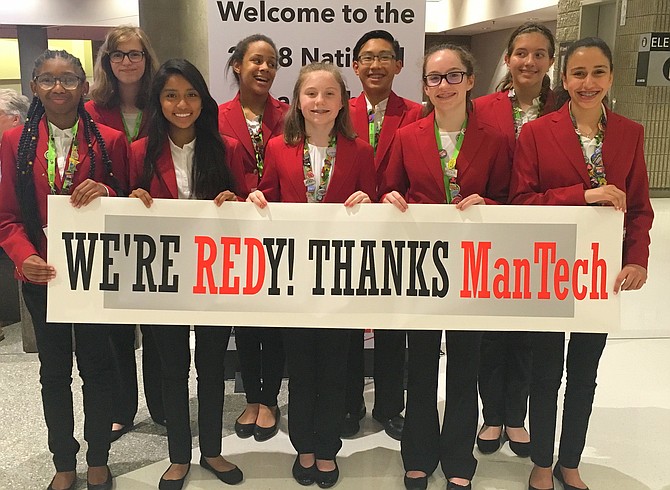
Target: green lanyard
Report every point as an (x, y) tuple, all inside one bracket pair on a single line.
[(373, 129), (138, 122), (70, 168), (449, 170), (314, 193)]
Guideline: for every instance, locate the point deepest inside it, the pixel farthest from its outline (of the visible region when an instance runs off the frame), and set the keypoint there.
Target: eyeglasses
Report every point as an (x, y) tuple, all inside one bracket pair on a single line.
[(368, 59), (133, 56), (47, 81), (452, 78)]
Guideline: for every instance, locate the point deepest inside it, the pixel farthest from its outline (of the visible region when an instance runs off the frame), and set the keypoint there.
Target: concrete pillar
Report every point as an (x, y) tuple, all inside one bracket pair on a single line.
[(177, 29), (32, 42)]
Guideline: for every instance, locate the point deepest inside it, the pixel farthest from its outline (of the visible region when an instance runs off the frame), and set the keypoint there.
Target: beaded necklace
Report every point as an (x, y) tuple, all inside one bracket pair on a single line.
[(314, 193)]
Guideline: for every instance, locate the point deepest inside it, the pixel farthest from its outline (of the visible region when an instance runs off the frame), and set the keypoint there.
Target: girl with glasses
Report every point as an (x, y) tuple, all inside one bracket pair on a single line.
[(124, 69), (448, 157), (60, 150), (504, 369)]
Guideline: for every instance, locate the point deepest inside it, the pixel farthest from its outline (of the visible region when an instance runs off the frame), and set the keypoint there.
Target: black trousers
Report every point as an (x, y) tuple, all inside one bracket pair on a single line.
[(317, 367), (262, 359), (388, 372), (124, 409), (584, 352), (210, 349), (504, 377), (423, 445), (94, 361)]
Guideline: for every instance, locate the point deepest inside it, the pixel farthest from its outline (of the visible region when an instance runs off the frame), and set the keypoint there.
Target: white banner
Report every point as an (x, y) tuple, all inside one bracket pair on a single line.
[(432, 267), (314, 30)]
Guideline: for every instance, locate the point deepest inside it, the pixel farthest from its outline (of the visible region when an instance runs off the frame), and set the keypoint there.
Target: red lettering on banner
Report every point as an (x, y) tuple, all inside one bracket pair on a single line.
[(204, 266), (501, 281), (228, 264), (481, 265), (251, 287), (541, 256), (598, 265)]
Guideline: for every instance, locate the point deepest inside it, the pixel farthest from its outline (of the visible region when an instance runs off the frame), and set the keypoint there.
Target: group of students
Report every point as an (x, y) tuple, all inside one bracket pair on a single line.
[(322, 147)]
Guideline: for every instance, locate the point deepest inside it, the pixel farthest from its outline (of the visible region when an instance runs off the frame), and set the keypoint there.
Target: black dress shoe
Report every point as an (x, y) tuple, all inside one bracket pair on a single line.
[(264, 433), (231, 477), (71, 487), (531, 487), (420, 483), (558, 474), (392, 426), (304, 476), (521, 449), (456, 486), (106, 485), (116, 434), (352, 422), (244, 431), (488, 446), (173, 484), (326, 479)]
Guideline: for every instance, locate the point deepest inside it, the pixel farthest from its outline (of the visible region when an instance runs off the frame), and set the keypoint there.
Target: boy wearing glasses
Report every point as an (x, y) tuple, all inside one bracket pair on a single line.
[(376, 115)]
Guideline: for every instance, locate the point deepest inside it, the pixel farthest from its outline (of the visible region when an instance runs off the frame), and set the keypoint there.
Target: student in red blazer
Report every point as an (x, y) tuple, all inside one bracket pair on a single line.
[(603, 164), (124, 68), (341, 169), (253, 117), (469, 167), (376, 62), (88, 162), (504, 369), (184, 157)]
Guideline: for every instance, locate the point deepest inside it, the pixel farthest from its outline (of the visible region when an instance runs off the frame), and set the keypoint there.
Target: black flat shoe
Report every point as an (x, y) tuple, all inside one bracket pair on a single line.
[(456, 486), (326, 479), (264, 433), (106, 485), (116, 434), (304, 476), (521, 449), (352, 422), (244, 431), (488, 446), (420, 483), (392, 426), (71, 487), (231, 477), (173, 484), (558, 474)]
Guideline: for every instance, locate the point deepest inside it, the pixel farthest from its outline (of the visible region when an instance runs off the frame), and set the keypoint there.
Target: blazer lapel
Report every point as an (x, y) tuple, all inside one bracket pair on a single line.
[(297, 177), (359, 116), (425, 141), (470, 147), (392, 120), (344, 163), (272, 116), (165, 171), (564, 133), (238, 123)]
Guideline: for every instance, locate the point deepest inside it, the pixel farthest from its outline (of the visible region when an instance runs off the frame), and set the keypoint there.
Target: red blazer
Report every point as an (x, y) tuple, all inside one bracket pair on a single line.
[(415, 171), (164, 182), (549, 169), (496, 110), (112, 118), (233, 124), (283, 178), (13, 237), (399, 112)]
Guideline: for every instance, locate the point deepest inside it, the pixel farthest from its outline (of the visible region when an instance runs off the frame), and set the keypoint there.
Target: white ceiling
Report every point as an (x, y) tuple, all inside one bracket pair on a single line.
[(547, 14)]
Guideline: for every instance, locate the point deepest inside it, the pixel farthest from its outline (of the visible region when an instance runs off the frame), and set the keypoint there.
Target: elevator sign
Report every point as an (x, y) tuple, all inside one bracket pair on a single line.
[(653, 60)]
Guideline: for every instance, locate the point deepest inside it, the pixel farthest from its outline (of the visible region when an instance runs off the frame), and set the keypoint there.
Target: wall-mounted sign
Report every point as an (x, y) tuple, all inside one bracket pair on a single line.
[(653, 60)]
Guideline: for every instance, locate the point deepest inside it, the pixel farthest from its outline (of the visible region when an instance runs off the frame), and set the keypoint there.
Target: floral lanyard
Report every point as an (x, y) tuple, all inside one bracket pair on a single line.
[(449, 170), (257, 141), (595, 165), (314, 193), (517, 113), (136, 130), (374, 129), (71, 167)]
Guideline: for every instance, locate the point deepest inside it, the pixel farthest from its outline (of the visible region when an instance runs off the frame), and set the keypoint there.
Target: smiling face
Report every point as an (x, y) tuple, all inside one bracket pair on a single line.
[(530, 60), (181, 103), (320, 100), (59, 103), (377, 78), (445, 96), (588, 77), (258, 68), (127, 72)]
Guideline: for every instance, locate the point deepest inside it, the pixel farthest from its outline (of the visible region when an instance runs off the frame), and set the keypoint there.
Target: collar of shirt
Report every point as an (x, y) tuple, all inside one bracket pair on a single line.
[(532, 112), (380, 109), (62, 142), (183, 164)]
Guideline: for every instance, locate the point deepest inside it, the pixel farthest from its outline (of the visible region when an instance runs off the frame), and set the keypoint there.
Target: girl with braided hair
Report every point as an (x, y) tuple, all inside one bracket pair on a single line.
[(504, 369), (60, 150)]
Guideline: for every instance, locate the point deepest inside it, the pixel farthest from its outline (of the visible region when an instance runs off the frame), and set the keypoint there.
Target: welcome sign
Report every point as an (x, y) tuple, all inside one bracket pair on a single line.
[(432, 267)]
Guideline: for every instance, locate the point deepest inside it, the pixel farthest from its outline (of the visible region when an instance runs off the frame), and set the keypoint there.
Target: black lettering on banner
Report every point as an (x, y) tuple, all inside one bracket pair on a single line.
[(368, 270), (342, 266), (444, 248), (166, 286), (274, 259), (144, 262), (319, 249), (392, 264), (416, 268), (388, 15), (273, 14), (108, 261), (82, 261)]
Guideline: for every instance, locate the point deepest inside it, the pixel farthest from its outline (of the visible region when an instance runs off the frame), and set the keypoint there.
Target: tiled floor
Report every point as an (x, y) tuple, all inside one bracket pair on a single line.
[(628, 445)]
